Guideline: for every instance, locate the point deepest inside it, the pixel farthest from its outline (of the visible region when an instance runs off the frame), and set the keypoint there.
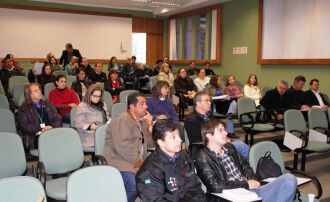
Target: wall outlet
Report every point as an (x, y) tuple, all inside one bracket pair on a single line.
[(240, 50)]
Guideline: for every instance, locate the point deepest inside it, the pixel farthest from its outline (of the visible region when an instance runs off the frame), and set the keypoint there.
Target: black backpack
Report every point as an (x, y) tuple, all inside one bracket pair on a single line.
[(267, 167)]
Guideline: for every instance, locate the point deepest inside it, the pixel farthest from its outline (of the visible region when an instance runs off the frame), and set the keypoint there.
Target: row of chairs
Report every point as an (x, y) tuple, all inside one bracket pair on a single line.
[(317, 120)]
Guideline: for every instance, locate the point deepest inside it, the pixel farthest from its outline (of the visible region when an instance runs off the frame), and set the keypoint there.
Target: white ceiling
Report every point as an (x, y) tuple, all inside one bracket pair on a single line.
[(157, 7)]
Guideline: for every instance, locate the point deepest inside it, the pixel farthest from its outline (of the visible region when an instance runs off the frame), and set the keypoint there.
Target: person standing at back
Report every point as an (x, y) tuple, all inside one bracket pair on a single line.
[(68, 53)]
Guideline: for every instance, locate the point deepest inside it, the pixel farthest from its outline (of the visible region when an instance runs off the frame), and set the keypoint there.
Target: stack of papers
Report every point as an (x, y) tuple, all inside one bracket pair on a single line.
[(221, 97), (239, 195), (300, 180)]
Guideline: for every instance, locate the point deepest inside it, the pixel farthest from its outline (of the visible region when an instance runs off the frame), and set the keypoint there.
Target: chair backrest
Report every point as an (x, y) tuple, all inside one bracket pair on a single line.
[(100, 139), (4, 104), (73, 116), (244, 105), (12, 156), (155, 80), (96, 183), (317, 118), (21, 188), (265, 89), (7, 121), (240, 85), (18, 90), (123, 95), (16, 80), (118, 108), (294, 120), (107, 99), (60, 72), (193, 77), (60, 150), (70, 79), (48, 87), (258, 150), (2, 91), (186, 140)]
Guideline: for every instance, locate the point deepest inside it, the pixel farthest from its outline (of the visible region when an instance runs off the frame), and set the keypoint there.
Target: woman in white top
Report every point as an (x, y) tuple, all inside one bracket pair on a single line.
[(165, 74), (251, 89), (201, 80)]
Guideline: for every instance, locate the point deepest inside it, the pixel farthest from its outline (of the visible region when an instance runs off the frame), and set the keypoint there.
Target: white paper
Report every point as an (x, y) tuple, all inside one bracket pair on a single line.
[(300, 180), (291, 141), (317, 136), (239, 195), (38, 67), (221, 97)]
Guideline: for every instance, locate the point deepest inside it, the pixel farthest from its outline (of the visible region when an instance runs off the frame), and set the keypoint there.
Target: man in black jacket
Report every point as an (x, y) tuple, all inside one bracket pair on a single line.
[(220, 167), (68, 53), (98, 76), (7, 72), (168, 174), (277, 101), (313, 97), (297, 94)]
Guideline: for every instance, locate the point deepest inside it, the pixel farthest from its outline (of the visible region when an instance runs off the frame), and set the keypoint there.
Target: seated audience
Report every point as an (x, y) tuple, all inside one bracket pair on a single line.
[(313, 97), (277, 101), (80, 86), (91, 113), (113, 64), (54, 64), (7, 72), (49, 55), (166, 60), (185, 86), (201, 80), (207, 68), (126, 140), (154, 70), (45, 77), (194, 121), (232, 89), (86, 66), (168, 174), (220, 167), (36, 115), (251, 89), (14, 63), (114, 85), (141, 76), (160, 106), (63, 98), (297, 94), (222, 106), (165, 74), (98, 76), (192, 70), (72, 67), (68, 53), (129, 70)]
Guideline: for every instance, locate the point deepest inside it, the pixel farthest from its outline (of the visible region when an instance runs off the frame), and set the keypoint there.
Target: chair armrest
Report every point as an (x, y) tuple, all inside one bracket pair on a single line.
[(314, 180), (325, 131), (100, 160), (41, 173), (303, 136), (249, 115), (197, 143)]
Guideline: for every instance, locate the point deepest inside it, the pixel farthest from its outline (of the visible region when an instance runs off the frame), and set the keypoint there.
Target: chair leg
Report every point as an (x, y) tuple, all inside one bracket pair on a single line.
[(251, 139), (295, 161), (246, 138), (303, 161)]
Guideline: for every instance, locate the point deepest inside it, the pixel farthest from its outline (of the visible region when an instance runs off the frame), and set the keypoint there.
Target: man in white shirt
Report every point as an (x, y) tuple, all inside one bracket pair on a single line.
[(201, 80), (313, 97)]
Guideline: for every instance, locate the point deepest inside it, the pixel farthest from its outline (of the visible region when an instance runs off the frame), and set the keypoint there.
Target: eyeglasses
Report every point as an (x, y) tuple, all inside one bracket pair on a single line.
[(96, 96), (207, 100)]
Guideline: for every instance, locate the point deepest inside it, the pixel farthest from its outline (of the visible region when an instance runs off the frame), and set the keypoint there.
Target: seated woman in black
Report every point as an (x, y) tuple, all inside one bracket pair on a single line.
[(114, 85), (80, 86), (45, 77), (36, 115)]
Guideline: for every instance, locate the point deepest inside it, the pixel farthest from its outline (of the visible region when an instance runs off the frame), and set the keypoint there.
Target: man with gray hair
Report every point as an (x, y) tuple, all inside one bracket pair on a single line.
[(277, 101)]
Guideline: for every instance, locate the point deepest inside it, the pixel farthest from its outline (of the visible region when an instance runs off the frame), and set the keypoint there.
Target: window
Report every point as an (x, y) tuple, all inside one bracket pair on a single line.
[(139, 46), (195, 36)]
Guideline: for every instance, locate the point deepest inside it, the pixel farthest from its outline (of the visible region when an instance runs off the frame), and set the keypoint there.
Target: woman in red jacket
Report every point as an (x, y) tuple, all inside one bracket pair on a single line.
[(63, 98)]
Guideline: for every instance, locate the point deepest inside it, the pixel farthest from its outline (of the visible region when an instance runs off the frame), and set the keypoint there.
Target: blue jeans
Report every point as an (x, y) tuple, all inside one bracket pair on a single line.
[(130, 185), (233, 110), (242, 148), (282, 189)]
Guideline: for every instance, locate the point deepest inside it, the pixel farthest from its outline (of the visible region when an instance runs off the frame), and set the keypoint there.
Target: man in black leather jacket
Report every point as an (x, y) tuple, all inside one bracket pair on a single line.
[(221, 167), (168, 174)]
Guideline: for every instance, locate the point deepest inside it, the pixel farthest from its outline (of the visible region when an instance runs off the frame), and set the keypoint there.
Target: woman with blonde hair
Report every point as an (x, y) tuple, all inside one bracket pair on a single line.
[(91, 113), (165, 74), (251, 89)]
